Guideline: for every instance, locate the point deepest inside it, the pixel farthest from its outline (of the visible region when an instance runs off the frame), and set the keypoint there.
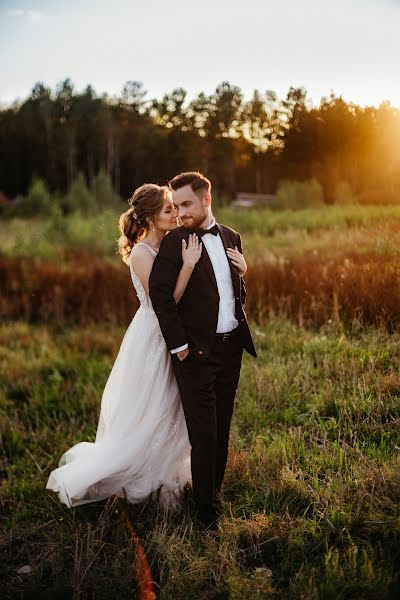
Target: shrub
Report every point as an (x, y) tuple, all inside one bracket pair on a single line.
[(382, 197), (300, 194), (343, 194), (105, 195), (79, 198), (37, 202)]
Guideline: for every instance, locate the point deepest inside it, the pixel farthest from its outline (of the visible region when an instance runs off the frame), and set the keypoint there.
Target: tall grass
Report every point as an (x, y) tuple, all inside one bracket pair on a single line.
[(312, 491), (262, 231), (53, 237), (311, 289), (81, 291), (311, 495), (268, 222)]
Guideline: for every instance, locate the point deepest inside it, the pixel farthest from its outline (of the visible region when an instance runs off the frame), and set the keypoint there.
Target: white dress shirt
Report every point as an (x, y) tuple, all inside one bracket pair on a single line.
[(219, 260)]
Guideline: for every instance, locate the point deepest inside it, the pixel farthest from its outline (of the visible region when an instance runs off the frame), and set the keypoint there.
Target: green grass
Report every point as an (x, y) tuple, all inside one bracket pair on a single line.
[(270, 235), (267, 235), (312, 490), (49, 238), (268, 222)]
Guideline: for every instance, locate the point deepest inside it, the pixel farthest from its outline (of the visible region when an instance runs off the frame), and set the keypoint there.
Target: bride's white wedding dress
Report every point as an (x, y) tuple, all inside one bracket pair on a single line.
[(142, 446)]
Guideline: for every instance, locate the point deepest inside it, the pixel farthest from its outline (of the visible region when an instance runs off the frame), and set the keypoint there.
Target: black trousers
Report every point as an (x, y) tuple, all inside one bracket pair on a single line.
[(207, 387)]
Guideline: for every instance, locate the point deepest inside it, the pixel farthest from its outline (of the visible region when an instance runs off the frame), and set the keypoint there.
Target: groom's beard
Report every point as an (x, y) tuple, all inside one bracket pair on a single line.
[(193, 222)]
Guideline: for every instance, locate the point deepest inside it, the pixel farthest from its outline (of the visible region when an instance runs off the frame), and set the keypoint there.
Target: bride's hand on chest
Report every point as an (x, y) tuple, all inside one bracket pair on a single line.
[(237, 259), (191, 251)]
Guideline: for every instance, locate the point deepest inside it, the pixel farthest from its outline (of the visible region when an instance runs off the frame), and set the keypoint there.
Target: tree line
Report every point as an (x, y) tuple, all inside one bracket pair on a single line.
[(242, 145)]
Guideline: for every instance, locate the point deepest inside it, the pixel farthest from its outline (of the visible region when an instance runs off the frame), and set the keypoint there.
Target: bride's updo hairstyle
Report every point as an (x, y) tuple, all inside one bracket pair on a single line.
[(146, 202)]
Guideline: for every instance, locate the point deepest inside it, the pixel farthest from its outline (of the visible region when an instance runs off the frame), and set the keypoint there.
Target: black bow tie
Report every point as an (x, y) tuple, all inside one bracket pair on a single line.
[(200, 232)]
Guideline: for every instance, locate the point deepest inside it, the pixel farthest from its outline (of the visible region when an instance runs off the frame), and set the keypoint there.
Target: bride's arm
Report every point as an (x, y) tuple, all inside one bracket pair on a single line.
[(191, 253)]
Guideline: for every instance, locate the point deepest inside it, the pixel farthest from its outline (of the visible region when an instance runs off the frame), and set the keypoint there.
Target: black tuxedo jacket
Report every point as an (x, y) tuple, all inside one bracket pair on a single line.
[(194, 319)]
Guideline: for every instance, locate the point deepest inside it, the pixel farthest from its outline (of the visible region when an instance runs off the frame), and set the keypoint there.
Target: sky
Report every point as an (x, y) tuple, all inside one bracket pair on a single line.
[(351, 47)]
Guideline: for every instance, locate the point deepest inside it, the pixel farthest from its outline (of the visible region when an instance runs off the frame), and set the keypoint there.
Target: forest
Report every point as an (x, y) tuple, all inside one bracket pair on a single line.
[(244, 145)]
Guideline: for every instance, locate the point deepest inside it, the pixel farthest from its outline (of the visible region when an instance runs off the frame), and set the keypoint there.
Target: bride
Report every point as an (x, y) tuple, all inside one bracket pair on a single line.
[(142, 447)]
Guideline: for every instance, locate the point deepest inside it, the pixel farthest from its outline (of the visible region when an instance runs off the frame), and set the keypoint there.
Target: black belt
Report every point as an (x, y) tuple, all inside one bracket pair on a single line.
[(227, 337)]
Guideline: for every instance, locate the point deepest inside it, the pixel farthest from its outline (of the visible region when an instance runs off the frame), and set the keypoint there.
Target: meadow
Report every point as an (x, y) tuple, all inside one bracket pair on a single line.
[(312, 490), (265, 232)]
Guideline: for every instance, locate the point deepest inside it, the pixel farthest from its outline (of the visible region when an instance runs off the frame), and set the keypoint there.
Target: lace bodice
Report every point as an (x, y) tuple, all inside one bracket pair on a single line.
[(137, 284)]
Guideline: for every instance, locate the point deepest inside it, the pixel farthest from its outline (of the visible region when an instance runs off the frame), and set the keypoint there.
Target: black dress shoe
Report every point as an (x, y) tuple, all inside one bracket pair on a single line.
[(217, 506), (207, 521), (208, 527)]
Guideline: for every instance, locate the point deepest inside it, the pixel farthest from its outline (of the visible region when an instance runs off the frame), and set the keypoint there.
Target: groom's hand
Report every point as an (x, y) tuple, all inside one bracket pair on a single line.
[(183, 354)]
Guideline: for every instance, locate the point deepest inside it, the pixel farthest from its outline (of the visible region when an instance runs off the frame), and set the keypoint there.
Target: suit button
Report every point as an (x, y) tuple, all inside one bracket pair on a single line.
[(237, 297), (200, 352)]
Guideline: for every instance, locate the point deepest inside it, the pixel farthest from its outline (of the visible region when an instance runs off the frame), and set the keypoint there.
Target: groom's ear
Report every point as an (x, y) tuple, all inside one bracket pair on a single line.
[(207, 199)]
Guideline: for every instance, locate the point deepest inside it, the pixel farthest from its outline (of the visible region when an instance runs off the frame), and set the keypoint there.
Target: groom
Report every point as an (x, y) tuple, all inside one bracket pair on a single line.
[(205, 333)]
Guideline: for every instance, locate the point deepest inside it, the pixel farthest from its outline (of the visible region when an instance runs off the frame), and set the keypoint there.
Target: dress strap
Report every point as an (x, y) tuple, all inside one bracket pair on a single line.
[(149, 247)]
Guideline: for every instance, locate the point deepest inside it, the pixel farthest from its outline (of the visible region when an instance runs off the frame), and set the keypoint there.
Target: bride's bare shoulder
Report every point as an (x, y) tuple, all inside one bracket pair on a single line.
[(141, 253), (139, 248)]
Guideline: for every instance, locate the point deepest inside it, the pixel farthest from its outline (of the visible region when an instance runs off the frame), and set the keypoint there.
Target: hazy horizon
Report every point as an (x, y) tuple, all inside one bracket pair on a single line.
[(350, 48)]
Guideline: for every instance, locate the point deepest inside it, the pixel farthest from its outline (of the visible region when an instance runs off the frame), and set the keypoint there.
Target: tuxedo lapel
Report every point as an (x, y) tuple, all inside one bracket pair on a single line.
[(206, 262), (234, 272)]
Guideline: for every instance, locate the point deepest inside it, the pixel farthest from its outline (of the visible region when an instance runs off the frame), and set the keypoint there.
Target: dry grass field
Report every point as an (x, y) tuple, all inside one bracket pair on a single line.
[(311, 504)]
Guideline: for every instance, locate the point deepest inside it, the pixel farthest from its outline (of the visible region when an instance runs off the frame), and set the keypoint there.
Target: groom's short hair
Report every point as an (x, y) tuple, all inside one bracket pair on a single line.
[(196, 180)]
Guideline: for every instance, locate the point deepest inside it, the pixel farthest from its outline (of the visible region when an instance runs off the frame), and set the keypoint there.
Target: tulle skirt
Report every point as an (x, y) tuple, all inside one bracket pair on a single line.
[(142, 447)]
